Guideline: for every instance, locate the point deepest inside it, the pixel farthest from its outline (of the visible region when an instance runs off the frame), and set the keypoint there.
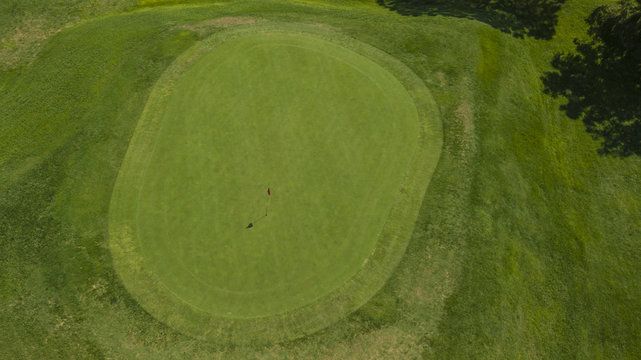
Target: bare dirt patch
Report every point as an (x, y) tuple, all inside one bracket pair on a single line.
[(441, 78), (464, 115), (203, 27), (23, 42), (321, 26), (385, 343), (436, 279)]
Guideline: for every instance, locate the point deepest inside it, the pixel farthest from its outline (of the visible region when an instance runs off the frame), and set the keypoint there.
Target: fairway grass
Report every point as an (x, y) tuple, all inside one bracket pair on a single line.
[(347, 149)]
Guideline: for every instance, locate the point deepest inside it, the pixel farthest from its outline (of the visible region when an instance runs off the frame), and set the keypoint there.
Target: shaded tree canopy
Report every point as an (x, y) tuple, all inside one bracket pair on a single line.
[(536, 18), (602, 79)]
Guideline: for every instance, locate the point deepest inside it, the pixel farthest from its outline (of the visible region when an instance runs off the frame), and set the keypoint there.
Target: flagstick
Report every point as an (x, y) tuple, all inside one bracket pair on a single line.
[(251, 224), (267, 201)]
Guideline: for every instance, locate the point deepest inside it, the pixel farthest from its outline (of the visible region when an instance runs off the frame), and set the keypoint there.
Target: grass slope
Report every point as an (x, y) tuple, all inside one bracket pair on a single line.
[(527, 243)]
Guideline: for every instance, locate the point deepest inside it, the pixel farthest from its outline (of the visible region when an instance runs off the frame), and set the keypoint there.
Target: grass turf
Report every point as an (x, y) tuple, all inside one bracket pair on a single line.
[(527, 244), (337, 136)]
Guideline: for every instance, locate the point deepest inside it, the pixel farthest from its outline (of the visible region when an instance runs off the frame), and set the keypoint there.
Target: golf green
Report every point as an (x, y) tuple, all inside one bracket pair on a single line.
[(329, 131)]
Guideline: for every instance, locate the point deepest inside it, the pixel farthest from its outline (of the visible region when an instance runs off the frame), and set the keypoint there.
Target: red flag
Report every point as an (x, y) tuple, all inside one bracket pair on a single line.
[(268, 192)]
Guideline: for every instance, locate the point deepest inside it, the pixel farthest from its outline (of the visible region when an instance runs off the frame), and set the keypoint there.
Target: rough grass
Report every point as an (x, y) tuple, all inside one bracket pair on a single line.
[(527, 244), (26, 24)]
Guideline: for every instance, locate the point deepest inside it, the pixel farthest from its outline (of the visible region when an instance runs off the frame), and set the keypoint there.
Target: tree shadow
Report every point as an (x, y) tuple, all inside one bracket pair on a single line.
[(535, 18), (604, 91)]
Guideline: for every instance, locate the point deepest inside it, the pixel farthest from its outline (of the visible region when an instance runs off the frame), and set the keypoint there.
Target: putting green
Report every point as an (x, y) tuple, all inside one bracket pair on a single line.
[(332, 133)]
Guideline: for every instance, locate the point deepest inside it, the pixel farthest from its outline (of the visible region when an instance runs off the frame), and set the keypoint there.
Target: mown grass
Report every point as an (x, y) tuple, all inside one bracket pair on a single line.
[(527, 244), (270, 142)]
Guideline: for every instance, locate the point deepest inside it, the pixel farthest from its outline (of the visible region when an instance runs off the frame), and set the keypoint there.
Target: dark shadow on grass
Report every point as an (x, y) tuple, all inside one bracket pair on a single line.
[(535, 18), (601, 81), (602, 95)]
